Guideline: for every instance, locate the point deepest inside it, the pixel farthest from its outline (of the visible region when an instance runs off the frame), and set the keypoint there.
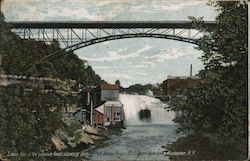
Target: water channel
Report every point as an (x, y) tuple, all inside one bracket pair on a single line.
[(140, 140)]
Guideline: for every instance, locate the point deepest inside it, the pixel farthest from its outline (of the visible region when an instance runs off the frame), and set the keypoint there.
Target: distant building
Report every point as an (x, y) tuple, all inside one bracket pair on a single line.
[(99, 114), (105, 92), (108, 110), (173, 83), (98, 117), (82, 115), (109, 113)]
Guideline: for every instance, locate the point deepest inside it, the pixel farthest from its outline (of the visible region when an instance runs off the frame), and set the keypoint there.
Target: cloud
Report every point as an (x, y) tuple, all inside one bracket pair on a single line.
[(139, 66), (118, 67), (106, 43), (41, 10), (169, 54), (148, 64), (140, 73), (103, 3), (165, 6), (76, 14), (119, 55), (144, 49), (86, 10), (119, 76)]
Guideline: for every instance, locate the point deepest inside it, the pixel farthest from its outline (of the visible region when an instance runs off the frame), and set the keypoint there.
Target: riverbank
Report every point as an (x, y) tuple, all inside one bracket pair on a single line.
[(73, 135), (90, 139), (100, 143)]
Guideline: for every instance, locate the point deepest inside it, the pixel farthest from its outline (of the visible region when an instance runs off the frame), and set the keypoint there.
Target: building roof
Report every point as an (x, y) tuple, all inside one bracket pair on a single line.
[(81, 110), (100, 109), (113, 103), (99, 104), (106, 86)]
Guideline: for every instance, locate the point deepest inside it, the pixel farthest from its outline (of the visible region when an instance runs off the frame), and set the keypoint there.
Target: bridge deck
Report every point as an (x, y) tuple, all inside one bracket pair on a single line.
[(105, 24)]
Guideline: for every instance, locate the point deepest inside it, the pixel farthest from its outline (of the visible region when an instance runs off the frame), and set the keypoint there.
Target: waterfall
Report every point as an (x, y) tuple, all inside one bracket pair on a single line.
[(132, 104)]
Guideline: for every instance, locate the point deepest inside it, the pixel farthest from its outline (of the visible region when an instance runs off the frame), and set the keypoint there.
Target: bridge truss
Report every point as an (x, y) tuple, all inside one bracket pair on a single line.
[(76, 35)]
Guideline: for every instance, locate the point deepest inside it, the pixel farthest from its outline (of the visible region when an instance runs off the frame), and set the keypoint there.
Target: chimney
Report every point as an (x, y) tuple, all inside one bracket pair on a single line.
[(191, 70)]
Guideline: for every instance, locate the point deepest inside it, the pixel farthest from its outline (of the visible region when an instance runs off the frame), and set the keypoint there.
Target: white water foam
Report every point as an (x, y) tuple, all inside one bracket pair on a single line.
[(132, 104)]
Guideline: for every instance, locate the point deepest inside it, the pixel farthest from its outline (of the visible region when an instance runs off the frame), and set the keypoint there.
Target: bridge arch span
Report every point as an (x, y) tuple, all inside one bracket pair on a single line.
[(75, 35), (83, 44)]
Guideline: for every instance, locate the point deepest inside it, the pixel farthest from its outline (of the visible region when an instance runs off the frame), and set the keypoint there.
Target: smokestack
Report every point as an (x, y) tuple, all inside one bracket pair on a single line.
[(191, 70)]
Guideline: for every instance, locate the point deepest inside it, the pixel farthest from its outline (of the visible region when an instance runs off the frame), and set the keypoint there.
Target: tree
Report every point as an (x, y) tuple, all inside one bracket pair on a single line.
[(218, 106), (27, 124), (117, 82)]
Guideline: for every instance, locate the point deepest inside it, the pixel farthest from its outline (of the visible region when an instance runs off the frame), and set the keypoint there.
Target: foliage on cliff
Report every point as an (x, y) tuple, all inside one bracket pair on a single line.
[(218, 107), (28, 119), (25, 57)]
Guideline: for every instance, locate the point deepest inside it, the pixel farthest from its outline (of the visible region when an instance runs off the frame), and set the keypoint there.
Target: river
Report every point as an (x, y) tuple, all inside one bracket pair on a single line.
[(140, 140)]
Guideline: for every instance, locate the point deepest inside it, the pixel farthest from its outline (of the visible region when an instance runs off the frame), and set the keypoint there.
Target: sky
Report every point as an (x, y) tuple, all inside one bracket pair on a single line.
[(136, 60)]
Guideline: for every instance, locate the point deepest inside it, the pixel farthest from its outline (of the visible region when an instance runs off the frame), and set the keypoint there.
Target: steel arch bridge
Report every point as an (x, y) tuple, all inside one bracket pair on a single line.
[(75, 35)]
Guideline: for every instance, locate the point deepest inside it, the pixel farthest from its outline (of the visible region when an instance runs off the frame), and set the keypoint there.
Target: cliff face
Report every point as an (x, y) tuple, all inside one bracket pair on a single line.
[(75, 136), (45, 83)]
